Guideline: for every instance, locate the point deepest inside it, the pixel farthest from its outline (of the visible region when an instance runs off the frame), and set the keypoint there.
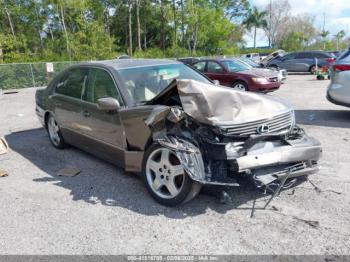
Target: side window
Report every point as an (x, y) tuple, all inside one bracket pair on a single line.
[(214, 67), (99, 85), (71, 84), (288, 57), (321, 55), (301, 55), (311, 55), (200, 66)]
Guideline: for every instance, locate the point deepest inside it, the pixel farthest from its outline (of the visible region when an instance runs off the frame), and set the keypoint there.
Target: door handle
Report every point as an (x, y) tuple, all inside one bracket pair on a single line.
[(86, 113)]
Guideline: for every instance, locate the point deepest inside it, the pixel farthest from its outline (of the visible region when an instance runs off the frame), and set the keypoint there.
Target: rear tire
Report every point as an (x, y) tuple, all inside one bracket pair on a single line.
[(165, 179), (54, 133), (312, 70)]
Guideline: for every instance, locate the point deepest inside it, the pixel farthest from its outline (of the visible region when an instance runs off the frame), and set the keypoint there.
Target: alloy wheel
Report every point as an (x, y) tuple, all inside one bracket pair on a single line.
[(239, 87), (53, 131), (165, 174)]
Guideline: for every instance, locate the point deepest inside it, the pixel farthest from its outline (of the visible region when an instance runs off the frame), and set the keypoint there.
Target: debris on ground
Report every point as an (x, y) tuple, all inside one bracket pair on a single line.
[(312, 223), (319, 190), (225, 198), (69, 171), (292, 193), (10, 92), (3, 173), (274, 208), (3, 146)]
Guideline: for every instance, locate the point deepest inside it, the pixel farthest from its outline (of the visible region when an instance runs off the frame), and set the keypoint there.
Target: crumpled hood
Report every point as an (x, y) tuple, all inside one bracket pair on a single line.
[(217, 105)]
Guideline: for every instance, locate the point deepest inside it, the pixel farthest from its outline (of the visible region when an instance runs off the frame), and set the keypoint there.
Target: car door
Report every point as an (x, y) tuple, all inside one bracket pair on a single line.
[(303, 62), (215, 71), (103, 129), (66, 100), (288, 62)]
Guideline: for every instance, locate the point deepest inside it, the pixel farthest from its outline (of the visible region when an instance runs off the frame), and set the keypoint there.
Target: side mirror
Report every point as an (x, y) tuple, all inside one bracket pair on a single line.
[(216, 82), (108, 104)]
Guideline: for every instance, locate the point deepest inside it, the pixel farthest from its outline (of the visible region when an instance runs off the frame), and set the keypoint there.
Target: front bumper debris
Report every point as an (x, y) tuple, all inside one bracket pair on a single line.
[(263, 161)]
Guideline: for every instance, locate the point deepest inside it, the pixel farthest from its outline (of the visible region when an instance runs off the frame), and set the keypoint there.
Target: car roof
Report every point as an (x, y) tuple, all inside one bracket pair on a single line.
[(311, 51), (131, 63)]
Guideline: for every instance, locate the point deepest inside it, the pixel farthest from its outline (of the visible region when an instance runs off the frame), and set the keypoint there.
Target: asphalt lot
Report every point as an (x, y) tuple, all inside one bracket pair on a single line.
[(105, 211)]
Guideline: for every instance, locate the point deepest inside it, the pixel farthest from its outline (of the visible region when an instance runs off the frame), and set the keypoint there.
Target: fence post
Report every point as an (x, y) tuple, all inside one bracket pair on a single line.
[(31, 70)]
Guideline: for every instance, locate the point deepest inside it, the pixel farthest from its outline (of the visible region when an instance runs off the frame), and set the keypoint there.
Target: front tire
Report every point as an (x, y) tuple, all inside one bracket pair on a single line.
[(166, 179), (240, 86), (54, 132)]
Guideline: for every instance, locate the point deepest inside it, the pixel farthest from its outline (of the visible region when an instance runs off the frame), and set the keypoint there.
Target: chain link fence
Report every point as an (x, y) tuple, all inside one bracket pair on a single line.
[(28, 74)]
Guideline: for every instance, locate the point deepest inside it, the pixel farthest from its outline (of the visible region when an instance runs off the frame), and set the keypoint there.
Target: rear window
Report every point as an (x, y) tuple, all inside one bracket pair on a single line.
[(314, 55), (71, 84)]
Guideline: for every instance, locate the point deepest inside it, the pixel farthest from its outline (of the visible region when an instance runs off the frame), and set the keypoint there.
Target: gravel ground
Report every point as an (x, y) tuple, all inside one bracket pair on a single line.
[(106, 211)]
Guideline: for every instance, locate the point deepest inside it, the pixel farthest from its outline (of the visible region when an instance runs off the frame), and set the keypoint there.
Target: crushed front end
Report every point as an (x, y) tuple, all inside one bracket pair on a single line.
[(265, 150)]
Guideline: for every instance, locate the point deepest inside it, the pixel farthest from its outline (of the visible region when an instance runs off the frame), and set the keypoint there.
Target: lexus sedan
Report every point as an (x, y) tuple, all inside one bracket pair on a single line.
[(168, 122), (239, 75)]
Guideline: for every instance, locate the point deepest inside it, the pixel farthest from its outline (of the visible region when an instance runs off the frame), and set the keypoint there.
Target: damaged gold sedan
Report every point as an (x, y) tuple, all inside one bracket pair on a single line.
[(168, 122)]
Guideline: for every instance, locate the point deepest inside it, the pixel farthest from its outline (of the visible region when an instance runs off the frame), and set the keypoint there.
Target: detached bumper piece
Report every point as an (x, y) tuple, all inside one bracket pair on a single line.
[(270, 161)]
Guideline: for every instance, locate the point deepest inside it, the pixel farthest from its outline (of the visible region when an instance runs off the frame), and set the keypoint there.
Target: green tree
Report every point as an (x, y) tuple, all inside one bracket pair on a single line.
[(339, 36), (256, 19), (324, 34)]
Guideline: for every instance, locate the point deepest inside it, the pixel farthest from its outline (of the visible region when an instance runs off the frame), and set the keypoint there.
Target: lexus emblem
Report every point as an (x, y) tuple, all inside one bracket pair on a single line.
[(263, 129)]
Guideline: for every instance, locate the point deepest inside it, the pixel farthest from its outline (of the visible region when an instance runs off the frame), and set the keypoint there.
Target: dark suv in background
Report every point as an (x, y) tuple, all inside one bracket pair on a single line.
[(302, 61)]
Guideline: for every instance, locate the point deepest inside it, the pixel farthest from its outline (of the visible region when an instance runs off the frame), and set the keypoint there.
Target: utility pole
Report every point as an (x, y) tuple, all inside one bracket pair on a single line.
[(270, 42), (130, 28)]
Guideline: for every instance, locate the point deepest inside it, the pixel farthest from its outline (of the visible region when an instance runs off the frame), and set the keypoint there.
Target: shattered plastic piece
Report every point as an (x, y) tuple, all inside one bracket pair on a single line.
[(175, 115), (158, 115), (3, 173), (3, 146), (68, 171), (189, 155)]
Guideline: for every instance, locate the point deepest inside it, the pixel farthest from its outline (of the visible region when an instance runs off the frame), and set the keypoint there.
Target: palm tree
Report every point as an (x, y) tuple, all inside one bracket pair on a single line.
[(324, 34), (340, 35), (255, 19)]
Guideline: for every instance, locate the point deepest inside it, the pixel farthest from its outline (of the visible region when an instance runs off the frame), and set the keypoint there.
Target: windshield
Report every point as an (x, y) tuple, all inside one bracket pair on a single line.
[(144, 83), (236, 66), (248, 61)]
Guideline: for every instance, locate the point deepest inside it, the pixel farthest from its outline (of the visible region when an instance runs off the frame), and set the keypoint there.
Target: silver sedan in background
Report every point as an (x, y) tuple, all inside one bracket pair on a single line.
[(338, 91)]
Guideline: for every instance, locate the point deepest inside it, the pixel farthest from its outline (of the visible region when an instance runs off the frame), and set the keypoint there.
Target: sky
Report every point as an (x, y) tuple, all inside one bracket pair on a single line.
[(337, 16)]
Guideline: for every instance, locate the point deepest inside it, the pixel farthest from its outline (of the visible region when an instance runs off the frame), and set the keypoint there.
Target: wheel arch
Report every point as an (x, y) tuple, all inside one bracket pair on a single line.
[(46, 118), (240, 80)]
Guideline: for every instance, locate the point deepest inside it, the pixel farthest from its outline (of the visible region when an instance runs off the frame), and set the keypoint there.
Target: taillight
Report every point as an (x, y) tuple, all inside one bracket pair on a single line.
[(330, 60), (338, 68)]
